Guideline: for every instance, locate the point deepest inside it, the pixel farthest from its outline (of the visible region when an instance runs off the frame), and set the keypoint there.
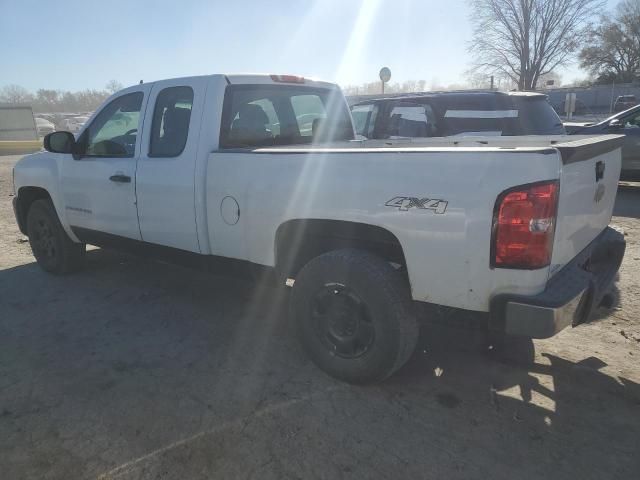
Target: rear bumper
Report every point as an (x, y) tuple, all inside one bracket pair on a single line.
[(570, 296)]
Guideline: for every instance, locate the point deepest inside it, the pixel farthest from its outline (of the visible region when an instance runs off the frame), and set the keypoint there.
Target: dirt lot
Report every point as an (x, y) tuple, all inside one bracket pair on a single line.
[(134, 369)]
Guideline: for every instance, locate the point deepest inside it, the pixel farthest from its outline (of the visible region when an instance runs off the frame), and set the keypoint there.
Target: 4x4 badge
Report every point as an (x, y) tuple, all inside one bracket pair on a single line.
[(406, 203)]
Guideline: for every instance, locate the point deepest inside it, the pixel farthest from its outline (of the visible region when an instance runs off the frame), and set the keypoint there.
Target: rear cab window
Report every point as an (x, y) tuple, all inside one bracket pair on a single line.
[(272, 115), (170, 125)]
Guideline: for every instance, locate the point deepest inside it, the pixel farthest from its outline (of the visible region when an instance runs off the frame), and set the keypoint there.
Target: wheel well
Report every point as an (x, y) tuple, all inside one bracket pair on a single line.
[(26, 196), (298, 241)]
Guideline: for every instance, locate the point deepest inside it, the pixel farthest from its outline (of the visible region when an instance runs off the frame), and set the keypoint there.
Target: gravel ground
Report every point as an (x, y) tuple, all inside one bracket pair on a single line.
[(135, 369)]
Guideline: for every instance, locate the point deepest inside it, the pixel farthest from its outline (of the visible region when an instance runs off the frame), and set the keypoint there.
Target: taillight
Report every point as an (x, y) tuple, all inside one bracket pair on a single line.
[(287, 78), (523, 226)]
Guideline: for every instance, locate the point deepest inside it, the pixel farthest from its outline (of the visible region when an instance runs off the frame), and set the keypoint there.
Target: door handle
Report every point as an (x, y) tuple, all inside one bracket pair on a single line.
[(120, 178)]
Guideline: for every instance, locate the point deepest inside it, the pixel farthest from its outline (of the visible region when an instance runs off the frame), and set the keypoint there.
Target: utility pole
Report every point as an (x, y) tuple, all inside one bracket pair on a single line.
[(613, 85), (491, 82)]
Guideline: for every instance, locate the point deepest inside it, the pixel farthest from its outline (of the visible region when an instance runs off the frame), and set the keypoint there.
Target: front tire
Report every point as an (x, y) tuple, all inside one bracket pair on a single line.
[(54, 251), (354, 315)]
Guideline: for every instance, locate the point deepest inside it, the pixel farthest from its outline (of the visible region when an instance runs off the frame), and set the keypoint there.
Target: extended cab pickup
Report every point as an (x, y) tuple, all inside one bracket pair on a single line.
[(262, 171)]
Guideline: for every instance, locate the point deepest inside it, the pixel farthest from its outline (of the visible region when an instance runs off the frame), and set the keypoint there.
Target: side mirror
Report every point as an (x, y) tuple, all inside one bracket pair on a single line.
[(615, 124), (60, 142)]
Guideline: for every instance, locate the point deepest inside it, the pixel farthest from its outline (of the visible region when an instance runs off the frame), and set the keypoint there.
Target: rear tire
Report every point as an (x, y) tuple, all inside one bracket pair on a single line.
[(54, 251), (354, 315)]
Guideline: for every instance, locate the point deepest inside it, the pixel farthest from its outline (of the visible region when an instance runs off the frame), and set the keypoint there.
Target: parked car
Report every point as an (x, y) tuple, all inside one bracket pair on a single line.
[(74, 124), (44, 127), (222, 172), (627, 123), (444, 114), (624, 102), (49, 117)]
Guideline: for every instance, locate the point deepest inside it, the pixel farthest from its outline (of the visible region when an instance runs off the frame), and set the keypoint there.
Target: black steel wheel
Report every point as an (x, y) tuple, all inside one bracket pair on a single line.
[(342, 320), (354, 315), (54, 251)]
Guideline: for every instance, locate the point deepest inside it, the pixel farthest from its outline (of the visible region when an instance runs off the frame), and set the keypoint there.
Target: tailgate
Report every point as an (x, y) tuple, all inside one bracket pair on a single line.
[(589, 176)]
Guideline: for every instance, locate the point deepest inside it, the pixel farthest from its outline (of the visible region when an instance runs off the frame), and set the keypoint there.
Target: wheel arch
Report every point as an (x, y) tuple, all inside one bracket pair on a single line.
[(298, 241), (24, 199)]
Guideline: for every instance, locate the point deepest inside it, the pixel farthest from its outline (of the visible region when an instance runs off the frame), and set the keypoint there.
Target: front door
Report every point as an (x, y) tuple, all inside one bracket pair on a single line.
[(98, 183)]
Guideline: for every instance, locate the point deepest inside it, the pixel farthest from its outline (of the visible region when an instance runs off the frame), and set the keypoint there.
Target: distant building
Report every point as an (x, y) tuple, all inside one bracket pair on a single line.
[(17, 123)]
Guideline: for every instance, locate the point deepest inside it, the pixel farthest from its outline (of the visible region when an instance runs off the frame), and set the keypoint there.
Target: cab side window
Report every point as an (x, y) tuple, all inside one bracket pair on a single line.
[(170, 126), (114, 131)]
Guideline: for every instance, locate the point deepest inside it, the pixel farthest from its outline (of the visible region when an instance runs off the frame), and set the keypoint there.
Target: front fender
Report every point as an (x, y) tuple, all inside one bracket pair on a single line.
[(42, 170)]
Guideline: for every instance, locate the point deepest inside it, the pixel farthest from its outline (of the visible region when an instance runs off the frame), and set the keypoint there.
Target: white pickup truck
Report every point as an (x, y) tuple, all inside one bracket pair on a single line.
[(262, 171)]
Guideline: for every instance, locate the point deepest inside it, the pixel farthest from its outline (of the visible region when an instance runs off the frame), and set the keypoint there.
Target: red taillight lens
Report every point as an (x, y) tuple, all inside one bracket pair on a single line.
[(287, 78), (523, 226)]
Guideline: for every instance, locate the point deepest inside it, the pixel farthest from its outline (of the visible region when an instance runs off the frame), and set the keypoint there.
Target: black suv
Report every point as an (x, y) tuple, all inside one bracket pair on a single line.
[(442, 114)]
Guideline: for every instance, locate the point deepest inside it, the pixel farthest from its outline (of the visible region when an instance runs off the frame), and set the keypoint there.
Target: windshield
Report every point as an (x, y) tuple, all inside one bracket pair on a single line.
[(269, 115)]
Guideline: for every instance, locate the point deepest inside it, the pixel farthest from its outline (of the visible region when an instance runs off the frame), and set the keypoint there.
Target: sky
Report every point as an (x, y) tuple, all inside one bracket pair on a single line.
[(73, 45)]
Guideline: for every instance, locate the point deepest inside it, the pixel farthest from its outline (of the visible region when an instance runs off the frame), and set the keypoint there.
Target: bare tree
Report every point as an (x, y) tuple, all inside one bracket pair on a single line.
[(113, 86), (614, 50), (51, 101), (15, 94), (526, 39)]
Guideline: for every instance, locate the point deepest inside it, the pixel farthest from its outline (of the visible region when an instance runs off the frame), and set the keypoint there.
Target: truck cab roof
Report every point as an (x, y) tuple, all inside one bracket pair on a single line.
[(256, 79)]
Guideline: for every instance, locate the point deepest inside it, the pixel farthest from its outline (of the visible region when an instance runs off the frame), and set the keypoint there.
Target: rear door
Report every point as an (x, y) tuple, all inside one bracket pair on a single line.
[(165, 176), (589, 174)]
